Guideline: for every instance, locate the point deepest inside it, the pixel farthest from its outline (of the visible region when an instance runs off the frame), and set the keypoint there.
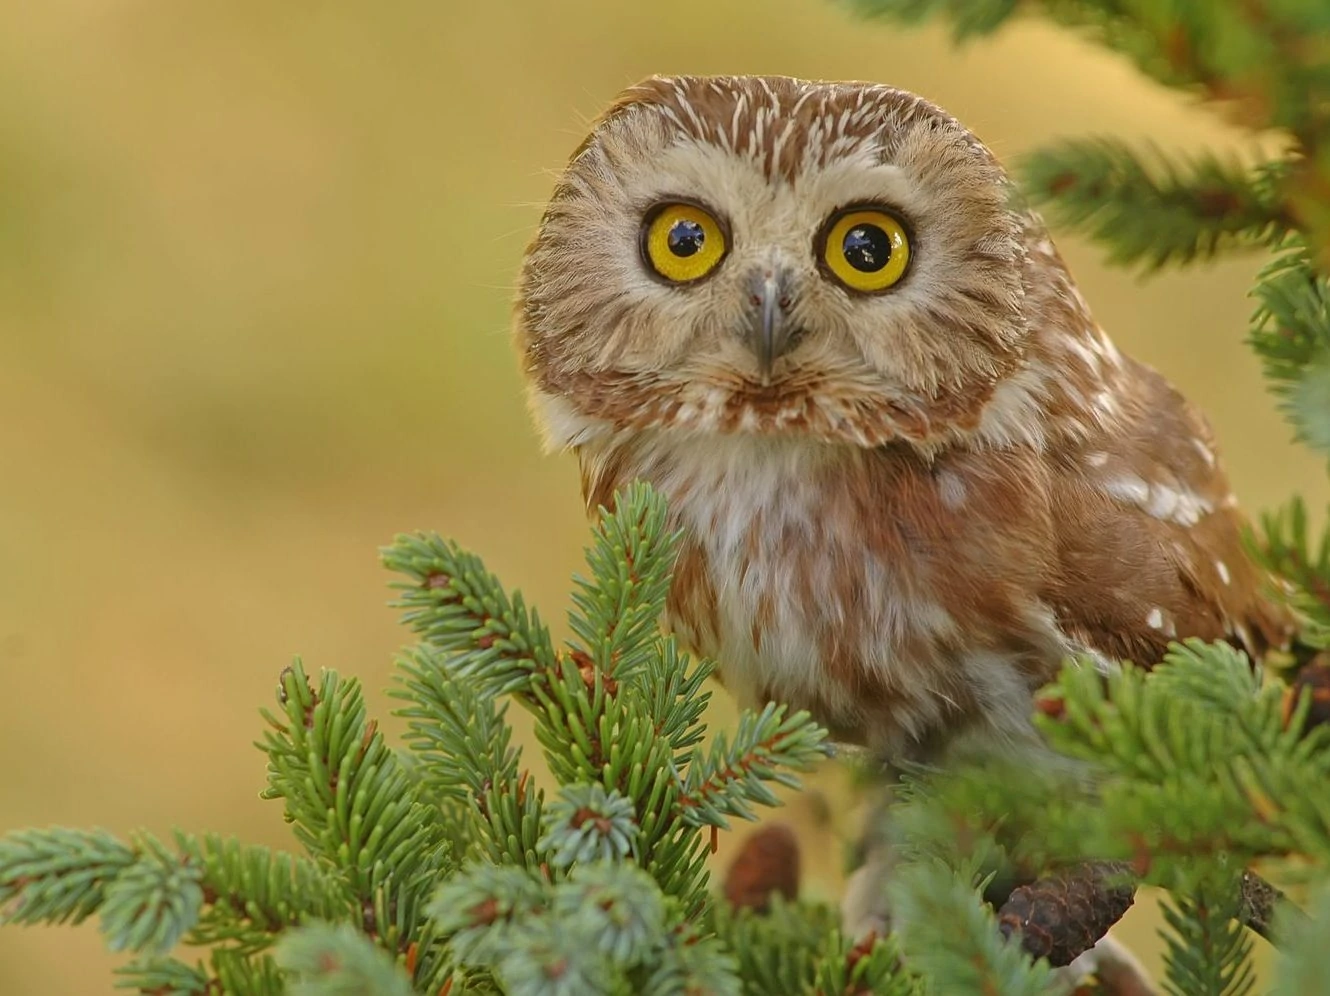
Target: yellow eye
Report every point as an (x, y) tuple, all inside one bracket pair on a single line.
[(866, 249), (682, 242)]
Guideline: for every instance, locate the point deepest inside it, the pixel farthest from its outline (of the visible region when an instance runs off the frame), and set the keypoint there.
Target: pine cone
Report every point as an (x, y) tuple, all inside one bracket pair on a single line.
[(1064, 914), (767, 863)]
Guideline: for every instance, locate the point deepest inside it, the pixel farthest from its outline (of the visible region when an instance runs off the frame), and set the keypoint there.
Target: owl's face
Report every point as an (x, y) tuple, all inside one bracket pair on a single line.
[(768, 255)]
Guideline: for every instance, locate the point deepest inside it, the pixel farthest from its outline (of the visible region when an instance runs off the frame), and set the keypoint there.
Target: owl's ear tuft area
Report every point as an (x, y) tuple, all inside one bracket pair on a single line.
[(652, 90)]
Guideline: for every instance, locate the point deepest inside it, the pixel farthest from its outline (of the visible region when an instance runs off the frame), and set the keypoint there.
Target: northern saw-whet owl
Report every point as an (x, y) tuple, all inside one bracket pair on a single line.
[(913, 475)]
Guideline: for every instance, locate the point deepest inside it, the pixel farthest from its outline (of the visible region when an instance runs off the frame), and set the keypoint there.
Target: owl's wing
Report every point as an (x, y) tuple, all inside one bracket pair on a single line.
[(1149, 540)]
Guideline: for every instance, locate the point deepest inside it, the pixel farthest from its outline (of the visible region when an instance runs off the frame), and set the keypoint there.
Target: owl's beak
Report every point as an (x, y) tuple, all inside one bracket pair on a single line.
[(771, 331)]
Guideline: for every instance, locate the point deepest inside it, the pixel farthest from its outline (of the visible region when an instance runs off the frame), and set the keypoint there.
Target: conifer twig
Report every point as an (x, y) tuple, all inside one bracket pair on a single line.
[(1169, 212), (328, 960), (1262, 905), (723, 782)]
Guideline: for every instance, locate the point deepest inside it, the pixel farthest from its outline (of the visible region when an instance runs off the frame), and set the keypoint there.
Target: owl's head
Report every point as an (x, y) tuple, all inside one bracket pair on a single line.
[(769, 255)]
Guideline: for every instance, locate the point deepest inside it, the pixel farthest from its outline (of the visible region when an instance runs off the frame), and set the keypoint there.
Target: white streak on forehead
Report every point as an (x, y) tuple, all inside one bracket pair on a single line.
[(738, 185), (778, 146), (740, 106), (806, 95)]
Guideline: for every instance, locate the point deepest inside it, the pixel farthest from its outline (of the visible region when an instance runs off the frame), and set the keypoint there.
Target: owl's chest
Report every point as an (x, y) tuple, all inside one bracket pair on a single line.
[(818, 580)]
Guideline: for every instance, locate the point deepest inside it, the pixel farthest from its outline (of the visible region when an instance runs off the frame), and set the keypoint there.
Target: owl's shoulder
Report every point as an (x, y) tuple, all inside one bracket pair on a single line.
[(1149, 532)]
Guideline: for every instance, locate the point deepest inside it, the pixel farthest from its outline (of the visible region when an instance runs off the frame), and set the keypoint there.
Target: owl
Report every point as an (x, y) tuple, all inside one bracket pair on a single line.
[(911, 472)]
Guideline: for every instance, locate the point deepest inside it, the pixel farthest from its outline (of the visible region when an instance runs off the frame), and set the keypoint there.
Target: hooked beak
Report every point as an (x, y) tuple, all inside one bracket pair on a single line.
[(772, 334)]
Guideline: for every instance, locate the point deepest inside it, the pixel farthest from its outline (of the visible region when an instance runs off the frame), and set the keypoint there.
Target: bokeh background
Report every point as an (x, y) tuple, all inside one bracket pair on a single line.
[(256, 262)]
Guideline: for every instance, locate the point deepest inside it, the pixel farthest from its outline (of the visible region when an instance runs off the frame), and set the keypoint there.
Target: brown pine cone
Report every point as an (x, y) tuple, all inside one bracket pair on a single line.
[(767, 863), (1064, 914)]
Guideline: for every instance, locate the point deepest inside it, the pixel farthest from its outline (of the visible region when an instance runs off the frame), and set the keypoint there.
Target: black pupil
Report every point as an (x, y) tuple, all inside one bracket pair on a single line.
[(686, 238), (867, 248)]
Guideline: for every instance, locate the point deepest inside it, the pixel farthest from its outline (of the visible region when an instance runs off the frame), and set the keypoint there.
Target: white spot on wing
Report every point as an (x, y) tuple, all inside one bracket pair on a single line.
[(1129, 488), (1168, 504), (951, 488), (1155, 620), (1222, 568)]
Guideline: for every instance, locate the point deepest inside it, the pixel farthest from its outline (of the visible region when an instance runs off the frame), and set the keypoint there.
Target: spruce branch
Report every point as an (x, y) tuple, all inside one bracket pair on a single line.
[(616, 610), (1166, 212), (251, 976), (477, 907), (1308, 406), (147, 897), (795, 948), (347, 794), (969, 18), (734, 773), (584, 722), (1183, 782), (605, 889), (1193, 764), (618, 906), (589, 824), (547, 958), (581, 935), (1291, 333), (1253, 58), (207, 890), (675, 855), (352, 802), (460, 608), (167, 976), (692, 962), (488, 638), (1188, 717), (328, 960), (1208, 952), (949, 936), (1214, 676), (458, 734), (57, 875), (251, 894), (675, 695), (617, 716), (463, 743), (229, 973), (151, 903), (603, 690), (872, 965), (780, 951)]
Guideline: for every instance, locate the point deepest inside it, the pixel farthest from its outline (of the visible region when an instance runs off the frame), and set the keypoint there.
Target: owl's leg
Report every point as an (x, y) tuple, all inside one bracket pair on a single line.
[(864, 908), (1064, 917), (1059, 917)]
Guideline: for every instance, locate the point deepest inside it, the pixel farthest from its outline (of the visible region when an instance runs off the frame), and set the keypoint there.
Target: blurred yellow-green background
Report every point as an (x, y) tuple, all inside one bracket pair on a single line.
[(256, 261)]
